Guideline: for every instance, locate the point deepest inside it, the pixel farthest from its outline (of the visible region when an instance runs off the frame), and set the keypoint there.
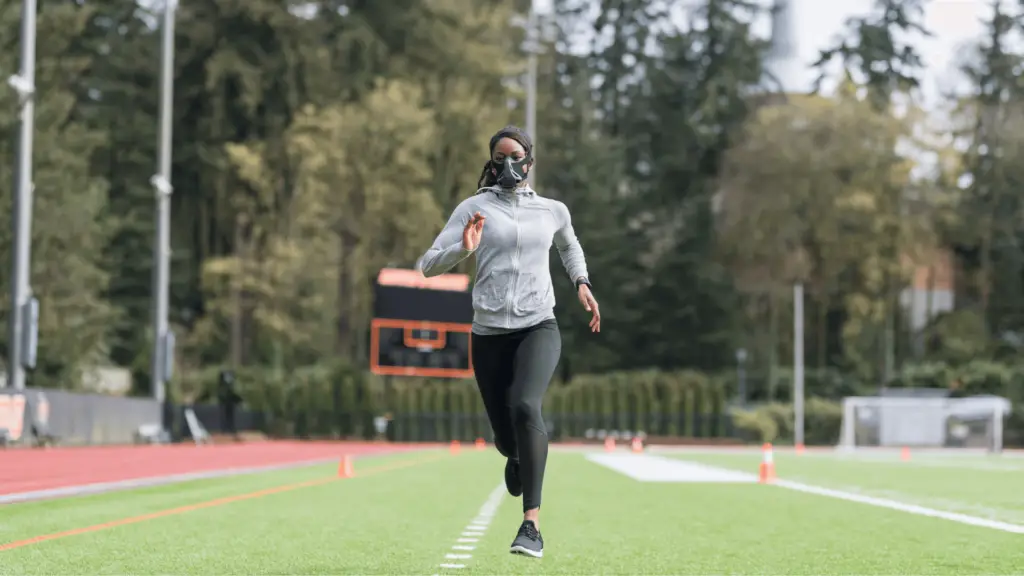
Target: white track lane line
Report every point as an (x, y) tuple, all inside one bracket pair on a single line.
[(471, 534)]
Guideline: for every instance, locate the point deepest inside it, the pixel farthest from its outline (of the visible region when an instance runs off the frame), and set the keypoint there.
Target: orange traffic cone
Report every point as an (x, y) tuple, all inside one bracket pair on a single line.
[(456, 447), (905, 454), (636, 445), (799, 449), (767, 472), (345, 467), (609, 444), (480, 444)]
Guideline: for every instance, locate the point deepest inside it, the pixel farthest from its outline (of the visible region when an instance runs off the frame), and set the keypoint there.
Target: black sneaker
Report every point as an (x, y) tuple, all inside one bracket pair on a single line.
[(512, 481), (528, 542)]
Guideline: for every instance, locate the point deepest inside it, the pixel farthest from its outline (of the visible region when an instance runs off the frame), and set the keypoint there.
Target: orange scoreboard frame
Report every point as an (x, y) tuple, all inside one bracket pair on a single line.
[(428, 320)]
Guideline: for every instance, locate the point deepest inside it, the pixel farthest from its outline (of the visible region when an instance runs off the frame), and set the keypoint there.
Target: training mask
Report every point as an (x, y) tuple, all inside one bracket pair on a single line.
[(511, 172)]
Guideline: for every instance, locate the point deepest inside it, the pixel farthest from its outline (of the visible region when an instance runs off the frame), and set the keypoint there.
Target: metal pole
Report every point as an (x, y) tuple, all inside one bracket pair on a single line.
[(162, 186), (24, 85), (798, 363), (532, 42)]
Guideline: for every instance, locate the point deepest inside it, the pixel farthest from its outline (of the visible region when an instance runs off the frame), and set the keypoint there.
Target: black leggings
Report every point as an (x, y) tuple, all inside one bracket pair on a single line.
[(513, 372)]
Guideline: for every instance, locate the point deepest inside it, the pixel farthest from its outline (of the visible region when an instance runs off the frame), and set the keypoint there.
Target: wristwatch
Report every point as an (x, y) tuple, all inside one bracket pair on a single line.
[(583, 280)]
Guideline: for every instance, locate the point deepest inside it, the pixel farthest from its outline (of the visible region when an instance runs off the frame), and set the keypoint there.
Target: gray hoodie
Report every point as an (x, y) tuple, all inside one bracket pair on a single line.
[(513, 281)]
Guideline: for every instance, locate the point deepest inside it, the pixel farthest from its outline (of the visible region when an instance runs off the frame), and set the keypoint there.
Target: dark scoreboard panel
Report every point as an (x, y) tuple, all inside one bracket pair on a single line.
[(428, 349), (421, 326)]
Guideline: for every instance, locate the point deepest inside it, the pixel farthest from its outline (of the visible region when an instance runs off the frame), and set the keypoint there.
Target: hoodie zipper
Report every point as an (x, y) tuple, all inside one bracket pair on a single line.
[(515, 263)]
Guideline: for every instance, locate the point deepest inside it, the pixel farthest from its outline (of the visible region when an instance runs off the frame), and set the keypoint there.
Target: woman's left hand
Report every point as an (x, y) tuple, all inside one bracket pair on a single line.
[(590, 305)]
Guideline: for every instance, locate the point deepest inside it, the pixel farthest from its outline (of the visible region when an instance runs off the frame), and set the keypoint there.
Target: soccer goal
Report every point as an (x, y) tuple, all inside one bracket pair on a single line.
[(883, 421)]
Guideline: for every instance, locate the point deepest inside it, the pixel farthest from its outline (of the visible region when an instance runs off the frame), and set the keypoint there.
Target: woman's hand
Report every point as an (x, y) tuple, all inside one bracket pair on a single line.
[(590, 305), (472, 232)]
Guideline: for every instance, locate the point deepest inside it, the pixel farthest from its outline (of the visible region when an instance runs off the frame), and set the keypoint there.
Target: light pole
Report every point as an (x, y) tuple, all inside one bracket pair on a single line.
[(163, 340), (24, 309), (532, 47)]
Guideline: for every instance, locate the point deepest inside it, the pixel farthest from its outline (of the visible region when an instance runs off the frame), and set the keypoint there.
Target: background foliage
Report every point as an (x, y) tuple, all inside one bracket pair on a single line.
[(316, 142)]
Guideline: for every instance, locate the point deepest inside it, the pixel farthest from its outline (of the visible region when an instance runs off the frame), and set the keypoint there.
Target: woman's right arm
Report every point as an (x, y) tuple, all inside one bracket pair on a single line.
[(447, 249)]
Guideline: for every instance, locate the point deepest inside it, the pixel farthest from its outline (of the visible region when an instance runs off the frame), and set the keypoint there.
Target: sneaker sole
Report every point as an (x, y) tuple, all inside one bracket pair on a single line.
[(527, 552)]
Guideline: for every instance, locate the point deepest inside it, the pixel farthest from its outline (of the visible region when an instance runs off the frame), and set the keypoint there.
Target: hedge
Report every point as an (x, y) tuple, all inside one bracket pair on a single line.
[(342, 403), (774, 422)]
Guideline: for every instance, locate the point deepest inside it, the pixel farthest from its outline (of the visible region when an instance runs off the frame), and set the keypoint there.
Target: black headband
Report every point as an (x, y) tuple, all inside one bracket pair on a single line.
[(515, 133)]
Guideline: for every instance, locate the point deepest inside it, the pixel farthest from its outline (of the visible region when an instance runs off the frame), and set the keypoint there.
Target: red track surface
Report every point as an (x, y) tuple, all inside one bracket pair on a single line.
[(29, 470)]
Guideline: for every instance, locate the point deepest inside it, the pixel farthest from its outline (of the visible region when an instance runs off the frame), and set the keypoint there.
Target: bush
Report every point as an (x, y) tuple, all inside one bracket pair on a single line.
[(774, 422), (682, 403)]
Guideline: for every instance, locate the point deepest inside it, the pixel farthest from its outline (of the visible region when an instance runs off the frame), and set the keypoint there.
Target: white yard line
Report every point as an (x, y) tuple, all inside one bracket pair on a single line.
[(465, 545), (651, 468), (902, 507)]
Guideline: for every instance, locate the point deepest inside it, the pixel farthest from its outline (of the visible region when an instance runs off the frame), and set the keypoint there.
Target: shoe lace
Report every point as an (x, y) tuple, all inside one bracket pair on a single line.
[(529, 530)]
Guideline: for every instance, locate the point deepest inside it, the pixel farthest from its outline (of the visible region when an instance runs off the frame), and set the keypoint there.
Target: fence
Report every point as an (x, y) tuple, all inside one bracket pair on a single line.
[(76, 418)]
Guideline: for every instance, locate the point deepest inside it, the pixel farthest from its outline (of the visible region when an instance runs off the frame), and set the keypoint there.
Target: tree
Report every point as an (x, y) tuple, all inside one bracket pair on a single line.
[(990, 230), (360, 190), (69, 230), (813, 211), (876, 54)]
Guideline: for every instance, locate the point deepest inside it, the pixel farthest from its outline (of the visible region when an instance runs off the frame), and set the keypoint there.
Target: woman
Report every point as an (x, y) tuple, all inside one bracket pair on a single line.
[(515, 344)]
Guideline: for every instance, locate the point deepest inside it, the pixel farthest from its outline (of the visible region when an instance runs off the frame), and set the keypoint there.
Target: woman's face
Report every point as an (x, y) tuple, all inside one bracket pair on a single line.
[(509, 148)]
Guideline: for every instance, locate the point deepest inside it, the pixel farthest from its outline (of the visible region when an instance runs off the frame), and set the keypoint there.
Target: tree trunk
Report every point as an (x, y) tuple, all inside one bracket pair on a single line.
[(236, 296), (822, 330), (344, 339), (773, 345)]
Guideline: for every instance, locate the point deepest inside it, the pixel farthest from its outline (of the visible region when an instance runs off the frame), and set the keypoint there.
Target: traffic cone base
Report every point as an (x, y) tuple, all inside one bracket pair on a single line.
[(637, 446), (345, 467), (609, 444), (456, 447), (766, 472)]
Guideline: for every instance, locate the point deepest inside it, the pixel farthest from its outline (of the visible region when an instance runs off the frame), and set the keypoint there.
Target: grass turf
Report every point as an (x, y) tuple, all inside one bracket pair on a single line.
[(402, 514)]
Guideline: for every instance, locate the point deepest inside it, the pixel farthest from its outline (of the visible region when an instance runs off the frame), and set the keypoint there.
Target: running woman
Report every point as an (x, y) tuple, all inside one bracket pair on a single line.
[(516, 343)]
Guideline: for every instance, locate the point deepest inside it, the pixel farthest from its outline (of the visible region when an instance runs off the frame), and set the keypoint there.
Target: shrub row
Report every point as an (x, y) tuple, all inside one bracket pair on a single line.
[(774, 422), (339, 402), (681, 404)]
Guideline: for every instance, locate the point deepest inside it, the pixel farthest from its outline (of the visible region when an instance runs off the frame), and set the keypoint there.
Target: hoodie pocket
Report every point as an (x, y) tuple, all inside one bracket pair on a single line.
[(491, 291), (533, 293)]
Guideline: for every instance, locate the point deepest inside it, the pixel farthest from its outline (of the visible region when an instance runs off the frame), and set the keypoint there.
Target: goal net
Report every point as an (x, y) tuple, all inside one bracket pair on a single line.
[(884, 421)]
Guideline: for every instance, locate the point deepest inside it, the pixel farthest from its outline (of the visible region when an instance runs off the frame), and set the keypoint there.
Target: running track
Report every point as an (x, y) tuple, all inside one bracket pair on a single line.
[(73, 470)]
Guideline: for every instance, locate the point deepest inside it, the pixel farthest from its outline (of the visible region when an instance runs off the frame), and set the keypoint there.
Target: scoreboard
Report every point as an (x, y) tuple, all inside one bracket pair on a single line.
[(421, 326)]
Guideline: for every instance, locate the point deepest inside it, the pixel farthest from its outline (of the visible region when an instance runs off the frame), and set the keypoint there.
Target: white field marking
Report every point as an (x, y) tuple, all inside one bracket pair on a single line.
[(672, 473), (902, 507), (475, 529), (951, 453), (963, 458), (938, 503), (659, 469)]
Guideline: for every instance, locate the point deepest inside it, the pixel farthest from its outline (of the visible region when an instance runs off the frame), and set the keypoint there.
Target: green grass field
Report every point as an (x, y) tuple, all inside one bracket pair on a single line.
[(403, 514)]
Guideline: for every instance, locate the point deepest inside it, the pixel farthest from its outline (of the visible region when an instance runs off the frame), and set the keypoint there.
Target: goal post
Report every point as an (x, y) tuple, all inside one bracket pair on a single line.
[(886, 421)]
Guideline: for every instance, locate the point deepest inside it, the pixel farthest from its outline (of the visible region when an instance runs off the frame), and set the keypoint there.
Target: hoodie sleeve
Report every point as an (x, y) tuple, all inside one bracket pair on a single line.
[(447, 250), (568, 245)]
